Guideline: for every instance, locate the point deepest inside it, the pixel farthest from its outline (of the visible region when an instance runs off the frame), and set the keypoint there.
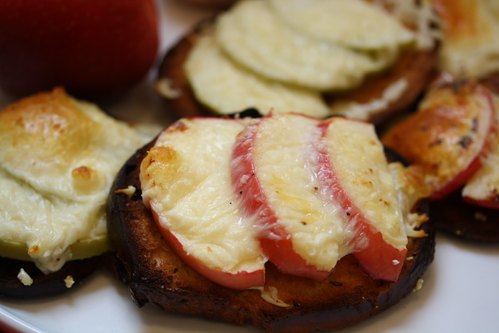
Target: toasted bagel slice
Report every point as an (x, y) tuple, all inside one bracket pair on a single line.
[(23, 280), (154, 273), (466, 221), (381, 93)]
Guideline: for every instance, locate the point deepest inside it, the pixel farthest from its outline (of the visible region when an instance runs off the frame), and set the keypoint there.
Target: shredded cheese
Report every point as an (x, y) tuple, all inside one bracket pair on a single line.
[(24, 277)]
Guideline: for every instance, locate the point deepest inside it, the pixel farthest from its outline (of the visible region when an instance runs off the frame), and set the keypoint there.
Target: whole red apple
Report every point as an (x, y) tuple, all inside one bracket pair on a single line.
[(89, 47), (211, 3)]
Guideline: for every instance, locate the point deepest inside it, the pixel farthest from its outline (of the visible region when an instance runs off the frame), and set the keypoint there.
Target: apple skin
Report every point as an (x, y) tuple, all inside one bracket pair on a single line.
[(88, 47), (453, 122), (380, 259), (492, 203), (240, 280), (274, 240), (459, 179)]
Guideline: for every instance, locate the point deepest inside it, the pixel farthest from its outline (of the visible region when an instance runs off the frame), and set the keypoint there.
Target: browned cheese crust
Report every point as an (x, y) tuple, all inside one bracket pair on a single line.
[(155, 274), (417, 67)]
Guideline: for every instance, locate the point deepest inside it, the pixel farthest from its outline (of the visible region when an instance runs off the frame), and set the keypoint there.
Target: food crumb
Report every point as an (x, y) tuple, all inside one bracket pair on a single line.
[(69, 281), (395, 262), (129, 191), (270, 295), (24, 277), (419, 285), (479, 216), (164, 87)]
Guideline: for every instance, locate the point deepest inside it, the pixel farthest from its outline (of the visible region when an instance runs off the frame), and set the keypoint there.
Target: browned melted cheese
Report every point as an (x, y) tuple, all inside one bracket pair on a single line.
[(442, 132)]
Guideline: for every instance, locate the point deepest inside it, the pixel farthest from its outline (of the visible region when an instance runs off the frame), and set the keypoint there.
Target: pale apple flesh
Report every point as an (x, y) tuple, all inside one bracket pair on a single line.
[(353, 169), (235, 280), (482, 189), (188, 188), (275, 182)]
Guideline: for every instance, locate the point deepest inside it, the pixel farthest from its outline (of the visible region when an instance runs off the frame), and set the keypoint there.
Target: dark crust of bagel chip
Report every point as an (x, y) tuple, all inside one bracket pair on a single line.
[(416, 67), (491, 82), (155, 274), (44, 285), (466, 221)]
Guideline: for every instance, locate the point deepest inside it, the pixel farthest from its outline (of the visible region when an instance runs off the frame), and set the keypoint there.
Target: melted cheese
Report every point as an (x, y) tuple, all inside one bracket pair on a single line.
[(58, 159), (420, 16), (354, 23), (446, 133), (410, 186), (484, 184), (364, 111), (284, 166), (185, 178), (256, 38), (226, 88), (471, 37), (359, 163)]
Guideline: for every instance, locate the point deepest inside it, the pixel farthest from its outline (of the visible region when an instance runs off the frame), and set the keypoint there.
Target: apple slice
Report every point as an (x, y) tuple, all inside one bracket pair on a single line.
[(273, 175), (269, 47), (447, 135), (353, 169), (225, 87), (482, 188), (330, 21), (187, 185)]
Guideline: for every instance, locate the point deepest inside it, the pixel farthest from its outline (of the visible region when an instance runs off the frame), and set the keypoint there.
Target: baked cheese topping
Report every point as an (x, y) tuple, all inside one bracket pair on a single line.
[(353, 23), (410, 187), (222, 190), (359, 163), (471, 37), (446, 133), (185, 179), (58, 159), (212, 75), (484, 184), (255, 37), (363, 111), (284, 165)]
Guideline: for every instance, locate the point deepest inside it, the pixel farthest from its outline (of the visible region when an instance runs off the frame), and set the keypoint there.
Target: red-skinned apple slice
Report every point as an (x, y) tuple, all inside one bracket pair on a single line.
[(353, 170), (273, 177), (239, 280), (491, 201), (447, 135), (482, 189), (189, 190)]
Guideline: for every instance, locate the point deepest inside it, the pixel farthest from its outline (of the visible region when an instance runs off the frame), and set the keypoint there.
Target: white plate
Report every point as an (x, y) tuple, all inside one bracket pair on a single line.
[(460, 294), (460, 291)]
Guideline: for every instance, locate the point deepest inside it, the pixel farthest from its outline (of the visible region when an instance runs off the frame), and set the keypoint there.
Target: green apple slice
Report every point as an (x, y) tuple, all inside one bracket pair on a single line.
[(256, 38), (226, 87), (82, 249), (331, 21)]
